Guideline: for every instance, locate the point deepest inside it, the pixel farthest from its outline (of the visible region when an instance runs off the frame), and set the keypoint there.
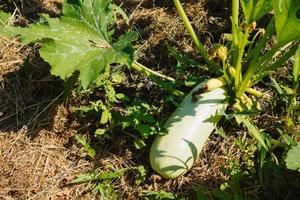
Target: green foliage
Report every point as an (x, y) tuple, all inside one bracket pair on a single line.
[(140, 173), (101, 182), (248, 149), (160, 195), (136, 117), (4, 18), (255, 9), (293, 158), (253, 131), (90, 151), (106, 191), (296, 69), (96, 176), (80, 40), (287, 20), (140, 117)]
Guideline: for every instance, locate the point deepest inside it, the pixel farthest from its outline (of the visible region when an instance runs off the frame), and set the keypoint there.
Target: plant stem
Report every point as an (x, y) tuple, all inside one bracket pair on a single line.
[(295, 83), (225, 70), (153, 74), (257, 93), (290, 107), (235, 12), (249, 90), (235, 21), (253, 68), (147, 72), (194, 36), (241, 49), (238, 46)]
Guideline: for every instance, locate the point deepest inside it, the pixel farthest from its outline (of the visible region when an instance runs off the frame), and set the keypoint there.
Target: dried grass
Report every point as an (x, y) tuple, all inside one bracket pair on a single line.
[(39, 168)]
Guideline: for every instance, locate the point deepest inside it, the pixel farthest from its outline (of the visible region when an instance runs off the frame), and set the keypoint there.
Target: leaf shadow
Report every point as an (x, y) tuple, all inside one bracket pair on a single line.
[(29, 96)]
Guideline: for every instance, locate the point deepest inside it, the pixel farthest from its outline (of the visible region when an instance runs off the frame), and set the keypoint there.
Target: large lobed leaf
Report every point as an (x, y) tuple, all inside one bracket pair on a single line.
[(287, 20), (293, 158), (80, 40)]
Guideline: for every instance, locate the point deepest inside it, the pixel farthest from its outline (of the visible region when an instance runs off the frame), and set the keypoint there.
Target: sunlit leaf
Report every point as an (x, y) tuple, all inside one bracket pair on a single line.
[(253, 131), (296, 68), (4, 18), (90, 151), (255, 9), (105, 117), (84, 178), (287, 20), (100, 132), (94, 176), (293, 158), (138, 143), (80, 40)]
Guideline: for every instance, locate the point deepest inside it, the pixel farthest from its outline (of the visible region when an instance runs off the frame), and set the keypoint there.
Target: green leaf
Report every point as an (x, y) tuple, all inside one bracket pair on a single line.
[(159, 195), (287, 20), (4, 18), (293, 158), (255, 9), (94, 176), (100, 132), (122, 97), (253, 131), (97, 15), (140, 175), (90, 151), (117, 78), (80, 40), (296, 68), (82, 178), (110, 93), (144, 129), (107, 191), (105, 117), (111, 175), (139, 143)]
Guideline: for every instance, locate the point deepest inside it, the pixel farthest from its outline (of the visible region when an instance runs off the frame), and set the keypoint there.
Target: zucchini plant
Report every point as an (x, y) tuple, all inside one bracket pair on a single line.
[(81, 40), (81, 45), (242, 63)]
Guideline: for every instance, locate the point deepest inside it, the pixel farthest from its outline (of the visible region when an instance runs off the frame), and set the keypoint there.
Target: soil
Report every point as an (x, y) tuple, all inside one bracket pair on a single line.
[(38, 154)]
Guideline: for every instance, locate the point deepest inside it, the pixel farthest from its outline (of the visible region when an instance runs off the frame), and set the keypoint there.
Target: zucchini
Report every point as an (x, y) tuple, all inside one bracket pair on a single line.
[(185, 132)]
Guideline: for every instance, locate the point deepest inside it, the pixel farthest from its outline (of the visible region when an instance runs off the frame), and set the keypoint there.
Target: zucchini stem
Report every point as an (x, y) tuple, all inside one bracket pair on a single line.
[(194, 37), (148, 72), (153, 74), (241, 48), (258, 93), (250, 90)]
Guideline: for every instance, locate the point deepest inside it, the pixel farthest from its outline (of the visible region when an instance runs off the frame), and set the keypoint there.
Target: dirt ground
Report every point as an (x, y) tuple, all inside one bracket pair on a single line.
[(38, 155)]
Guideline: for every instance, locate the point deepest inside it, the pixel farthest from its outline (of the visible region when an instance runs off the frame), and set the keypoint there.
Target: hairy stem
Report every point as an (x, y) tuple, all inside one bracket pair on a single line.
[(194, 36), (241, 49), (257, 93), (250, 90), (153, 74), (147, 72)]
